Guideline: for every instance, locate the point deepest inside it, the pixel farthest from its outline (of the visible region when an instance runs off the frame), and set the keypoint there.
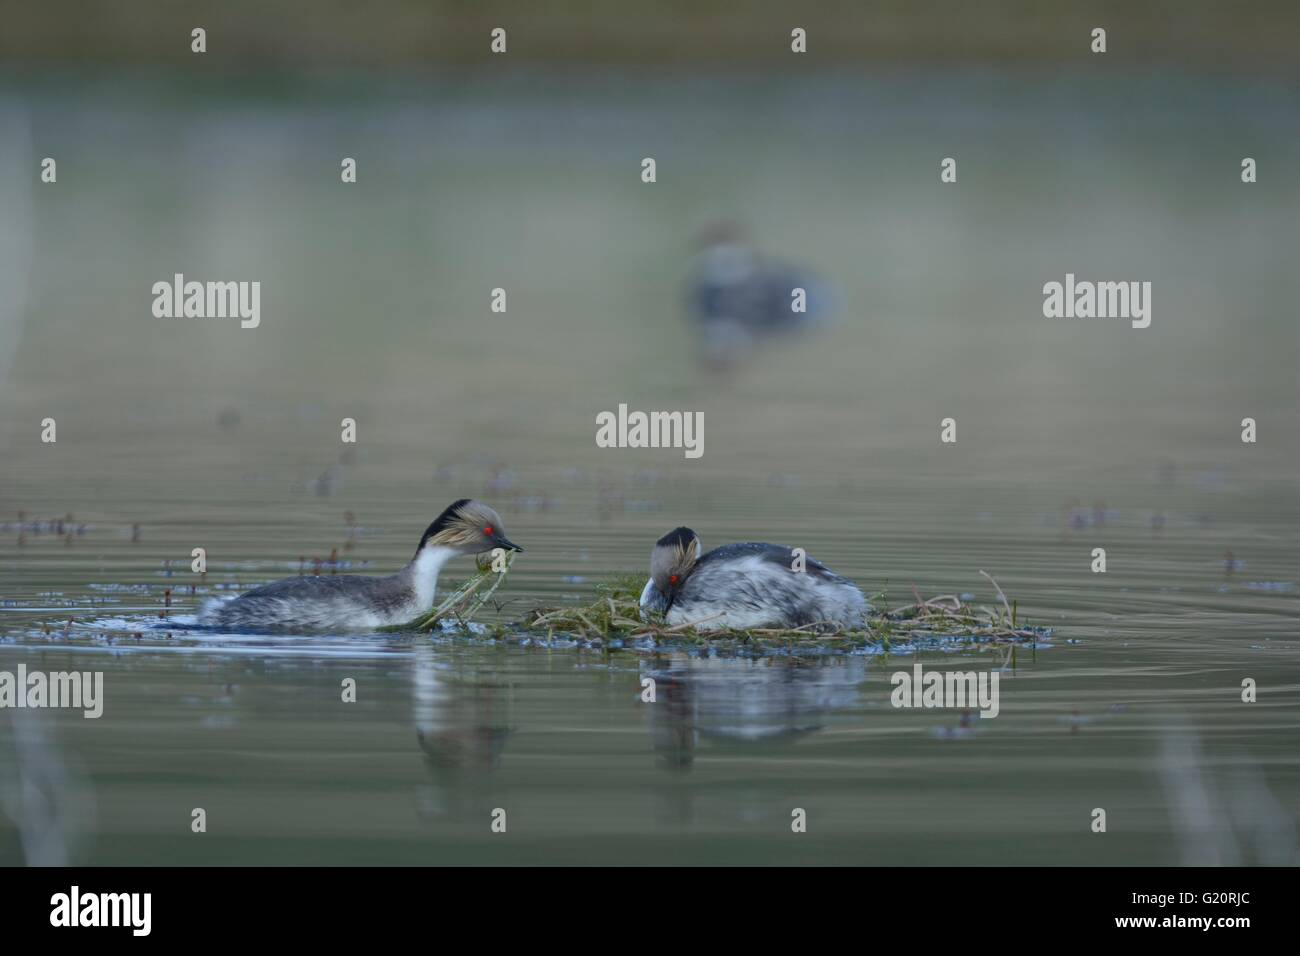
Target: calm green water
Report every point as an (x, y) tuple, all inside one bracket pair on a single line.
[(1071, 436)]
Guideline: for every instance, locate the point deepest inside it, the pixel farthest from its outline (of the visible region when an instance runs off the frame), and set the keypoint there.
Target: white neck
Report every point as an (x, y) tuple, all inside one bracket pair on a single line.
[(423, 573)]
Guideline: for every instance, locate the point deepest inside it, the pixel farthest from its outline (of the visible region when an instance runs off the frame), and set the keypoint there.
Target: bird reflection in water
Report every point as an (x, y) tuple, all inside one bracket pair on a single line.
[(742, 702), (722, 705), (462, 716)]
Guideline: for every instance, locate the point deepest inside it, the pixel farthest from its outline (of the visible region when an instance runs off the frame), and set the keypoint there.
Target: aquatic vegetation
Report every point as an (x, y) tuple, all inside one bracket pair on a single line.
[(465, 601), (615, 614)]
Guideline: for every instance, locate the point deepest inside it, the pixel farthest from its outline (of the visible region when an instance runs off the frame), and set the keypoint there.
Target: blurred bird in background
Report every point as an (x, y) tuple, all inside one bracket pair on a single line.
[(740, 298)]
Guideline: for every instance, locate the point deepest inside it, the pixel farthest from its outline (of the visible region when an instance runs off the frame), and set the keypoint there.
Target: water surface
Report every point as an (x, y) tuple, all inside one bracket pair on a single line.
[(1071, 436)]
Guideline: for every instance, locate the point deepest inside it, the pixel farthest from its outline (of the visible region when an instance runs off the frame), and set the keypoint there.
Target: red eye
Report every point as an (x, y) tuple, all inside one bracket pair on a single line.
[(487, 530), (672, 579)]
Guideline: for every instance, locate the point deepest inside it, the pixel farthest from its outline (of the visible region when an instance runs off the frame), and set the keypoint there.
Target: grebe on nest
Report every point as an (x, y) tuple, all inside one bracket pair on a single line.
[(747, 585)]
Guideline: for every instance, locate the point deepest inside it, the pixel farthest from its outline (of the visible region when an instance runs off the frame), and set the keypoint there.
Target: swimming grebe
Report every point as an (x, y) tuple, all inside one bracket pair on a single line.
[(740, 297), (746, 585), (350, 601)]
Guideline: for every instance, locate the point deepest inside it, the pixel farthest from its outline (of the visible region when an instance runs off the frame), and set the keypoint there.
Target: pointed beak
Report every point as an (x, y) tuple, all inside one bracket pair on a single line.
[(670, 597), (501, 541)]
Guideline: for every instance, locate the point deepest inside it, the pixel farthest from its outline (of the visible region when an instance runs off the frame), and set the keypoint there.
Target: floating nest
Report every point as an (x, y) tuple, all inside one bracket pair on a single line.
[(614, 616)]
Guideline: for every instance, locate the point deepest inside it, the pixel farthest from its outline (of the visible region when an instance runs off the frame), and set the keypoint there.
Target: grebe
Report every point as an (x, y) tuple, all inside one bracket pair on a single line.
[(350, 601), (740, 297), (746, 585)]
